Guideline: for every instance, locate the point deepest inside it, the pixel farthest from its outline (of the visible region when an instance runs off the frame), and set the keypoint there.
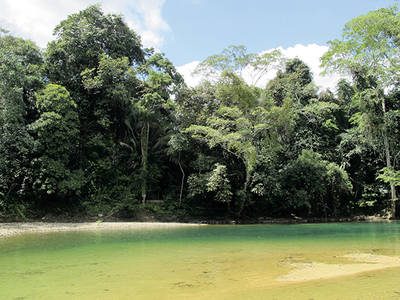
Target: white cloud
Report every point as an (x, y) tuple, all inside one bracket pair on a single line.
[(310, 54), (187, 72), (36, 19)]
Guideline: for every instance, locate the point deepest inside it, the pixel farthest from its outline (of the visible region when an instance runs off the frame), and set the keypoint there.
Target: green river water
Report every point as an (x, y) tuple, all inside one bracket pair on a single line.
[(204, 262)]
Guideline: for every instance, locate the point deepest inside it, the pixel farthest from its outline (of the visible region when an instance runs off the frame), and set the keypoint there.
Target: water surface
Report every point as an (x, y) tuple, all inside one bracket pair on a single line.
[(206, 262)]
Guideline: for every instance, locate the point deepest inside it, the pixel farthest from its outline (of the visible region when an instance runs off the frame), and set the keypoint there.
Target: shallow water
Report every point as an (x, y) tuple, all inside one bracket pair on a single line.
[(206, 262)]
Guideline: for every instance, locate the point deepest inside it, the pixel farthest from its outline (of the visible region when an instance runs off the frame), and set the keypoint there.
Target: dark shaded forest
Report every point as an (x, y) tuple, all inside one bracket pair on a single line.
[(96, 126)]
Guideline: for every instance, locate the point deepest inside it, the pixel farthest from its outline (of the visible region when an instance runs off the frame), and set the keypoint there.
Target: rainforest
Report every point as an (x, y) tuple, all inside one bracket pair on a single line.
[(95, 126)]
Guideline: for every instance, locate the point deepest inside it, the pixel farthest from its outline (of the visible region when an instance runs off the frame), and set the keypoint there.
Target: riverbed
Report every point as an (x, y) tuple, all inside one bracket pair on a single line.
[(303, 261)]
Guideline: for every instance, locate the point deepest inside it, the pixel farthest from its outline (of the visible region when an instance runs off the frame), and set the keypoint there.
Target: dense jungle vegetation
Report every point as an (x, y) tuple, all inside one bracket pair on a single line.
[(96, 125)]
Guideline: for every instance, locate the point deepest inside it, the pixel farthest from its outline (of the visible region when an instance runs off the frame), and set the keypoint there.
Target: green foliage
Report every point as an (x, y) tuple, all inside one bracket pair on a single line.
[(231, 90), (235, 59), (101, 125), (314, 186), (230, 130), (57, 131), (218, 182), (20, 76), (318, 128), (370, 40), (82, 39), (388, 175), (369, 49), (215, 182), (294, 83)]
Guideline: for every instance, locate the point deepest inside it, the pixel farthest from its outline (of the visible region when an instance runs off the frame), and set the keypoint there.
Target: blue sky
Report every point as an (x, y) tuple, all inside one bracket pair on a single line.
[(204, 27), (188, 31)]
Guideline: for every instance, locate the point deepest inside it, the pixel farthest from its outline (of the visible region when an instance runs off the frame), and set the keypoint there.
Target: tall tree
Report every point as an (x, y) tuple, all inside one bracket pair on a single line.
[(20, 76), (294, 83), (233, 132), (236, 59), (154, 107), (94, 56), (56, 171), (90, 57), (371, 43), (82, 39)]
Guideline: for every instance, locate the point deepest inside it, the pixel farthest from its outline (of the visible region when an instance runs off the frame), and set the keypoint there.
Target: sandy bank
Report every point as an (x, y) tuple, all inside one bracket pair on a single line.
[(358, 263), (10, 229)]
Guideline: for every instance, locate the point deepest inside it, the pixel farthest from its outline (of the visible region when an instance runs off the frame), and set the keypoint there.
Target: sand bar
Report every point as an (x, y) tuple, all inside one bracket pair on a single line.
[(10, 229), (358, 263)]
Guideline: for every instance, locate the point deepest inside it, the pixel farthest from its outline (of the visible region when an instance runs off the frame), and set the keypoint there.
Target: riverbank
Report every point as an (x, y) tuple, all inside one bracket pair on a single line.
[(11, 229), (14, 228)]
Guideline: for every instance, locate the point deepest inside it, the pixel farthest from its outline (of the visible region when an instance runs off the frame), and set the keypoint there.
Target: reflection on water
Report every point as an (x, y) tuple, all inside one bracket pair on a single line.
[(208, 262)]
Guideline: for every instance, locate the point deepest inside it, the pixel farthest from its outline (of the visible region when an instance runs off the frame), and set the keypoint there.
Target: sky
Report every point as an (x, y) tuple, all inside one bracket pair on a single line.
[(188, 31)]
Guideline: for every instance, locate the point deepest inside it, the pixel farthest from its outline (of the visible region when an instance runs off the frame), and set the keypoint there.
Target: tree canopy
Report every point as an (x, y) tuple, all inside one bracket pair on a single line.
[(97, 126)]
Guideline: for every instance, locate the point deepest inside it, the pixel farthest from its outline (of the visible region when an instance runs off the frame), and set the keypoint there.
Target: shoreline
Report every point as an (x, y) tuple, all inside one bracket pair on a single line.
[(8, 229), (13, 229), (61, 219)]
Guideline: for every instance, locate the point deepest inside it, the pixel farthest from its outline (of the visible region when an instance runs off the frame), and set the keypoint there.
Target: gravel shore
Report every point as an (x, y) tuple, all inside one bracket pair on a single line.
[(10, 229)]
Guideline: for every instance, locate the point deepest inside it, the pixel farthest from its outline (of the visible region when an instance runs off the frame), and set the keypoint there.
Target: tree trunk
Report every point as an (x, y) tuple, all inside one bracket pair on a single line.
[(182, 181), (144, 148), (243, 201), (392, 186), (388, 159)]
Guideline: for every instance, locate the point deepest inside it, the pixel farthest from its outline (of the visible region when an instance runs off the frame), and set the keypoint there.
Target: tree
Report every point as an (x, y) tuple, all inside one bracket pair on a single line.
[(20, 76), (317, 128), (81, 41), (294, 83), (215, 181), (154, 108), (95, 56), (231, 90), (91, 58), (233, 132), (313, 186), (390, 175), (177, 144), (371, 43), (57, 130), (246, 137), (235, 59)]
